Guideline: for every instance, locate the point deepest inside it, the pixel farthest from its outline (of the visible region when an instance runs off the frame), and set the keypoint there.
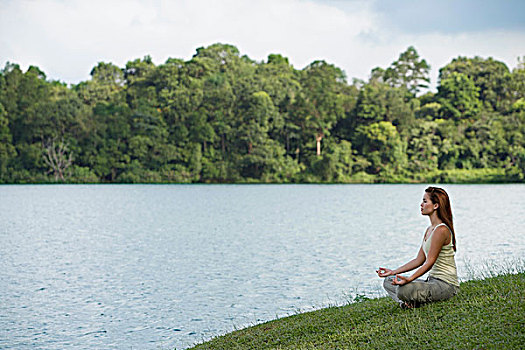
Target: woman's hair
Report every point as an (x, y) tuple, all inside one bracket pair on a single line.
[(439, 196)]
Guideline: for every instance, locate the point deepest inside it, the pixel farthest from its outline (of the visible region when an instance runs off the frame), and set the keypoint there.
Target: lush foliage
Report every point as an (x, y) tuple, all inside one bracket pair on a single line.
[(486, 314), (222, 117)]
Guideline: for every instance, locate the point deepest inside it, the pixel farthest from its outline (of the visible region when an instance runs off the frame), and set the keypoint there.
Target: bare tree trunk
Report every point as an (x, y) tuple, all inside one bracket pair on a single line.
[(318, 139), (58, 157)]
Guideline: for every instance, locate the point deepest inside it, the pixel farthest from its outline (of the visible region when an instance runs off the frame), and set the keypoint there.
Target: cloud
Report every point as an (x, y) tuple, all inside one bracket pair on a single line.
[(452, 16), (67, 38)]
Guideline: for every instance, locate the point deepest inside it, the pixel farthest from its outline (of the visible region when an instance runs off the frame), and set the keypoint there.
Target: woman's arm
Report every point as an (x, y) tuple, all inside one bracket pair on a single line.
[(439, 238), (409, 266), (412, 264)]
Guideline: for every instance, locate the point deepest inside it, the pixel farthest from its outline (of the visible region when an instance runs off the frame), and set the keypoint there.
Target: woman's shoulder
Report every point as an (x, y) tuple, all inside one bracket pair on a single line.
[(442, 227), (442, 230)]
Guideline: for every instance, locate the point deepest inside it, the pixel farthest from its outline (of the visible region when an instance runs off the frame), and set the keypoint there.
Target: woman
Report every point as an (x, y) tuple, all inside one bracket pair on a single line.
[(435, 255)]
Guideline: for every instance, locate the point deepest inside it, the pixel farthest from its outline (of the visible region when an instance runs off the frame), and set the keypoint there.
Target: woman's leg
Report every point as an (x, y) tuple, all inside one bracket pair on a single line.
[(420, 292), (391, 289)]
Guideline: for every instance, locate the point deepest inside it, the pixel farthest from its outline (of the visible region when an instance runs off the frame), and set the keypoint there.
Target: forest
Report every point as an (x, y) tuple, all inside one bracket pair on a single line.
[(222, 117)]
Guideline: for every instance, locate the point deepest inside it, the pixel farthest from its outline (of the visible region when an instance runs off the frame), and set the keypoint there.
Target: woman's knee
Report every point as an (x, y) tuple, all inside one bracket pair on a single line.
[(405, 292), (387, 283)]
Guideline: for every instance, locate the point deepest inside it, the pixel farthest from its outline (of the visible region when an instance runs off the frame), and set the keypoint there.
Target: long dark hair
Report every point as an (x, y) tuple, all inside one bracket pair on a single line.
[(439, 196)]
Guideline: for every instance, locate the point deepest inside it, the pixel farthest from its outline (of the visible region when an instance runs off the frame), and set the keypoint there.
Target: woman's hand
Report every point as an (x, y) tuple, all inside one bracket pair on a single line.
[(400, 280), (382, 272)]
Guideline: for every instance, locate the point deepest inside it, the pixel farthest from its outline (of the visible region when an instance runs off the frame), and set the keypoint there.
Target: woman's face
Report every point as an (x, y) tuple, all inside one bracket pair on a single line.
[(427, 207)]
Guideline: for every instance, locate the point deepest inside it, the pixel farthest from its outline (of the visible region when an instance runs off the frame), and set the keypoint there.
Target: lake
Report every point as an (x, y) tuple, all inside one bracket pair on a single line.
[(166, 266)]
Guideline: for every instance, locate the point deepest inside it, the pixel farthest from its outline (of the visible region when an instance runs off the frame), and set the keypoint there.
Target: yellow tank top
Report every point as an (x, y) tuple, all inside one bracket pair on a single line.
[(445, 266)]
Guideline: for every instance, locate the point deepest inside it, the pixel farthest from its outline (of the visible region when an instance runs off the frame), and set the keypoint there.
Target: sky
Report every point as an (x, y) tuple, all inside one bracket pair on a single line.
[(67, 38)]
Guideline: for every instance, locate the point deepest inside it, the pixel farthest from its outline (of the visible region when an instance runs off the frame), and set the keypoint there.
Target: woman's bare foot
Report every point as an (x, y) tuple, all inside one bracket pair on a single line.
[(406, 305)]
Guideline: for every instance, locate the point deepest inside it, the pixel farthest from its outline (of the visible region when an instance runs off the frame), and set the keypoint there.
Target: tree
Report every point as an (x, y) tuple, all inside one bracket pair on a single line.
[(371, 105), (22, 92), (138, 76), (517, 83), (380, 102), (336, 163), (149, 135), (252, 135), (58, 157), (381, 144), (7, 150), (409, 72), (424, 147), (491, 78), (319, 105), (281, 81), (458, 96), (106, 150), (106, 84)]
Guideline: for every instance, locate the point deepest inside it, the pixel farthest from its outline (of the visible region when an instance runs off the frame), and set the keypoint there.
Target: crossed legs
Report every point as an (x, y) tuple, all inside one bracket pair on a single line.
[(419, 291)]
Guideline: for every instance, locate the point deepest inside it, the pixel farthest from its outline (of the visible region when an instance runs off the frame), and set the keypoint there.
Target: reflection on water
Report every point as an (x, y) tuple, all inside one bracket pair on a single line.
[(145, 267)]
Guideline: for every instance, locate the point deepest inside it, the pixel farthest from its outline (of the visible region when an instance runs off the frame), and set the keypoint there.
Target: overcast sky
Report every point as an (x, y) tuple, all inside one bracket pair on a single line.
[(66, 38)]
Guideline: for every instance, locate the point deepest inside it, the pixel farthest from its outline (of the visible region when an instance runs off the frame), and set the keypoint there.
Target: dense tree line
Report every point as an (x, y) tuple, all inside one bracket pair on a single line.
[(223, 117)]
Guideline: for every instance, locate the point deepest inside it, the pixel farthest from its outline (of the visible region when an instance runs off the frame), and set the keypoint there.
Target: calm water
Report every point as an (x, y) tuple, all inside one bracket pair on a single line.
[(159, 267)]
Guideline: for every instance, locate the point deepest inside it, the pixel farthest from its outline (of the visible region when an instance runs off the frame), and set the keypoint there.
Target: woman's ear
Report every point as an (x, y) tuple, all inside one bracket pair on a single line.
[(436, 206)]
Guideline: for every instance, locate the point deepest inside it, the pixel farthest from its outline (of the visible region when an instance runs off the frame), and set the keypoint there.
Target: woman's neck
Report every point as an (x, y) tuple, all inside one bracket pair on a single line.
[(434, 219)]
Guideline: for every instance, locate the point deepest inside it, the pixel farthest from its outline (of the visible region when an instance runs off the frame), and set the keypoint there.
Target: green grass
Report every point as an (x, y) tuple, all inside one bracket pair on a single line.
[(486, 314)]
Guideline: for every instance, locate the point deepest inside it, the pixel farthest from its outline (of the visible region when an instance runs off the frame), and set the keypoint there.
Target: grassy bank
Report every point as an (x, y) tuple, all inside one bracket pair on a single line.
[(487, 314)]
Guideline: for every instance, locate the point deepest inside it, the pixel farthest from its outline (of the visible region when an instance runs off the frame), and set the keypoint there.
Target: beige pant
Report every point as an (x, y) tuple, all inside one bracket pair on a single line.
[(420, 291)]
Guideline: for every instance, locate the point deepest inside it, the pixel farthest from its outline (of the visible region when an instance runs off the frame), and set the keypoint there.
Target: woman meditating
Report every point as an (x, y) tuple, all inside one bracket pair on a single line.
[(436, 255)]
